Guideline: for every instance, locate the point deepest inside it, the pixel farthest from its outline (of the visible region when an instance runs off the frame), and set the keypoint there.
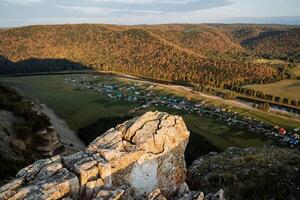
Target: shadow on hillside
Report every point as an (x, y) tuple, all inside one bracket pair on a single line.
[(260, 36), (37, 65)]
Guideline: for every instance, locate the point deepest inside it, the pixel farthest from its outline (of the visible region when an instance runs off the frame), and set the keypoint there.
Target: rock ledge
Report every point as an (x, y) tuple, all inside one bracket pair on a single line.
[(127, 162)]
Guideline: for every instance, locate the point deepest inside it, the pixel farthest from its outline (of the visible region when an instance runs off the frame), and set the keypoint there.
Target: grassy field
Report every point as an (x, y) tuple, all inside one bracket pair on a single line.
[(80, 108), (285, 88), (77, 108)]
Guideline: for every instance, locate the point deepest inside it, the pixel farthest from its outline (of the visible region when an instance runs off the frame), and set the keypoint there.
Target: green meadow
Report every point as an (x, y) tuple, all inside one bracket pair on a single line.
[(78, 108), (284, 88)]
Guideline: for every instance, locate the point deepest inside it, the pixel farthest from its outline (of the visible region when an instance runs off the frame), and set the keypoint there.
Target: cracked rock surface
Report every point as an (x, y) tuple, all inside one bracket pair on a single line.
[(127, 162)]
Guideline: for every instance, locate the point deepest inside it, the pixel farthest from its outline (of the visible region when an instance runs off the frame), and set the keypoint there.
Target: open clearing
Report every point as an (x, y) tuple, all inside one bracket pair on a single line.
[(285, 88), (82, 107)]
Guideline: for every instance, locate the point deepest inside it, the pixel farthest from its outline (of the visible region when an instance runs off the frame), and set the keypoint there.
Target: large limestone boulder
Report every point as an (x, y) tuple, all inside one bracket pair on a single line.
[(127, 162)]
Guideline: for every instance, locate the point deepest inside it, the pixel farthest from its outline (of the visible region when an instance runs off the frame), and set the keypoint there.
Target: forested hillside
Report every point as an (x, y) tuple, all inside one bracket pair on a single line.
[(206, 54), (267, 41), (202, 39), (242, 32)]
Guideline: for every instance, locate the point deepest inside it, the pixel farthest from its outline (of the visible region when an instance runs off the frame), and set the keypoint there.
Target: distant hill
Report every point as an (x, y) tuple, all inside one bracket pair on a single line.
[(277, 44), (206, 54), (241, 32), (268, 41)]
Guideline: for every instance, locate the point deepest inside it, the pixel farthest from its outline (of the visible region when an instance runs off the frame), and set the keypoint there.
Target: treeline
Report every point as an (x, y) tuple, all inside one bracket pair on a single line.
[(264, 96), (220, 89), (201, 54), (221, 92)]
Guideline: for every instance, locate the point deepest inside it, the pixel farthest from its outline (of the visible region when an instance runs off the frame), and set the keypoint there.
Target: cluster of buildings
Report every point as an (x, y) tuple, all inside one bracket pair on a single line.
[(146, 96)]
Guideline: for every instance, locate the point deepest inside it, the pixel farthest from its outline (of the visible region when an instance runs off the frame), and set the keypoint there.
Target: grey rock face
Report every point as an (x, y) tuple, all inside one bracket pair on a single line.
[(129, 162)]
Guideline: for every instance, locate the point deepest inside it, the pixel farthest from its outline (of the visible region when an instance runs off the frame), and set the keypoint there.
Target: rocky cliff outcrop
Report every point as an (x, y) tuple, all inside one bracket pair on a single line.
[(20, 145), (10, 140), (141, 158)]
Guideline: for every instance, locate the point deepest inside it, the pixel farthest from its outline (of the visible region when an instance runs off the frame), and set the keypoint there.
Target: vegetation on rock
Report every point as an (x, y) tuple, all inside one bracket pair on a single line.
[(14, 155), (252, 173)]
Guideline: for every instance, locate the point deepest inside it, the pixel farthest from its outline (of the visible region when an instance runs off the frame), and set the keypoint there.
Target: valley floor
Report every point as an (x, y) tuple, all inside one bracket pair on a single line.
[(79, 108)]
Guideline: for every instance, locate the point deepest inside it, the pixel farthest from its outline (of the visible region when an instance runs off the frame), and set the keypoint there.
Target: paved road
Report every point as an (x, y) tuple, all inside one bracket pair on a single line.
[(66, 135)]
